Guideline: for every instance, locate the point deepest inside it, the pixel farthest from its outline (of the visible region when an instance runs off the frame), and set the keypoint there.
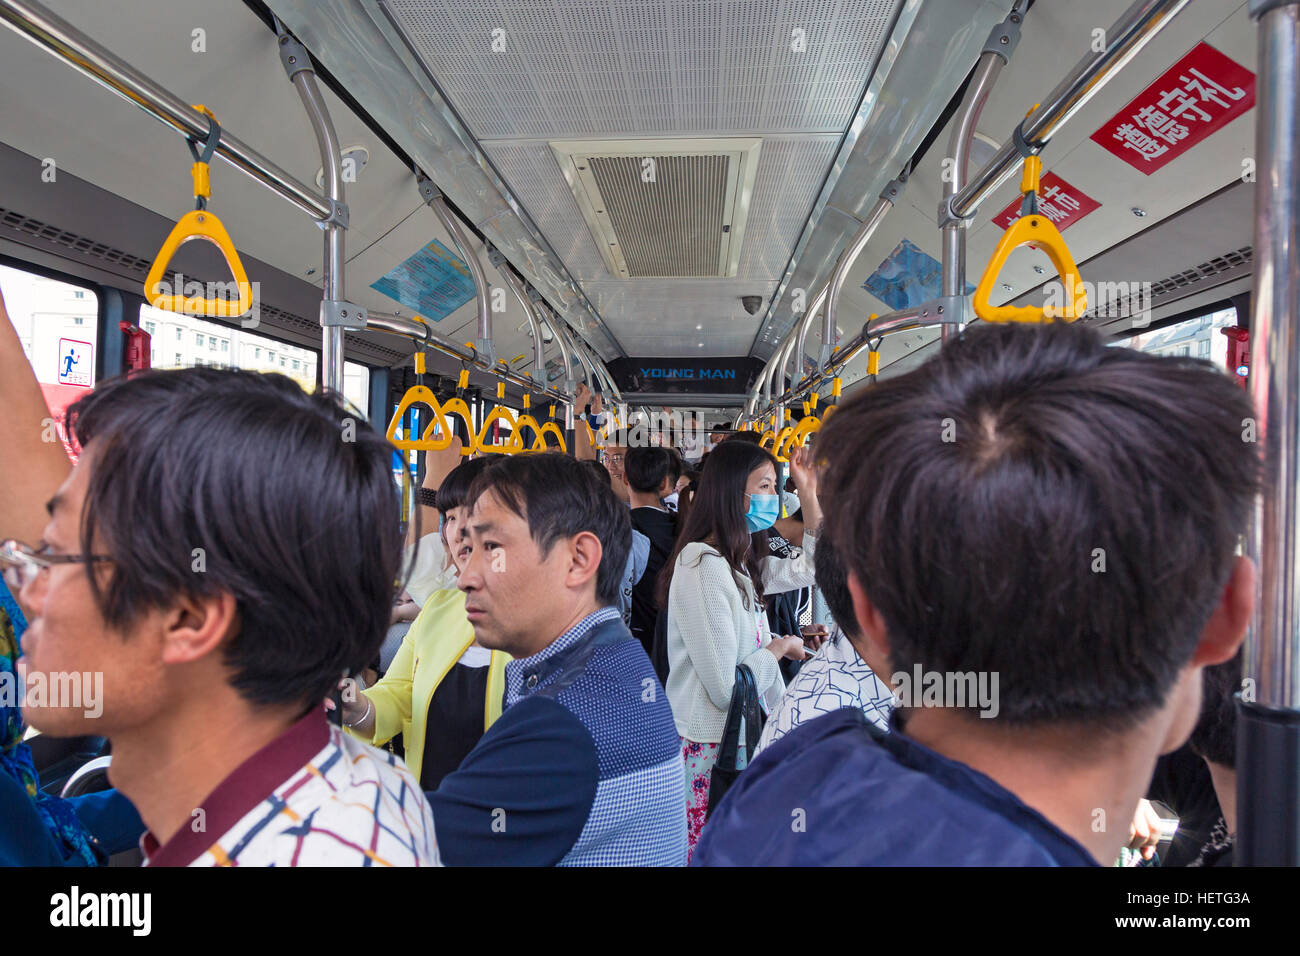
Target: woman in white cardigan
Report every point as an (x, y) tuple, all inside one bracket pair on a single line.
[(714, 585)]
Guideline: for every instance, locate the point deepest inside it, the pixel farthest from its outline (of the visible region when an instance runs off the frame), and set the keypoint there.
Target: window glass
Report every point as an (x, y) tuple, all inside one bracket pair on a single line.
[(248, 350), (56, 324), (1198, 336)]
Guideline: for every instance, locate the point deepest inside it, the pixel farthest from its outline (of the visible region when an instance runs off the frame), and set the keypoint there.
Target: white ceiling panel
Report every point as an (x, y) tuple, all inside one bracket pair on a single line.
[(522, 69), (521, 74)]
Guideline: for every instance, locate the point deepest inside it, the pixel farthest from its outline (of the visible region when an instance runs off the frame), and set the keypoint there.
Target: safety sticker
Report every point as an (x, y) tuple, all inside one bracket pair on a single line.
[(76, 362), (432, 283)]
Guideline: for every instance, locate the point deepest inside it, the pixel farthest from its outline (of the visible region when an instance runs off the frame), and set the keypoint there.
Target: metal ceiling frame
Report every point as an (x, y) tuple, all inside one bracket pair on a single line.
[(930, 49)]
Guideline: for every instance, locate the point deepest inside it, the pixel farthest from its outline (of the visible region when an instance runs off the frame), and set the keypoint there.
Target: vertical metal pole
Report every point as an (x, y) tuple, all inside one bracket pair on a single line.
[(1268, 732), (298, 65), (954, 232), (1002, 41)]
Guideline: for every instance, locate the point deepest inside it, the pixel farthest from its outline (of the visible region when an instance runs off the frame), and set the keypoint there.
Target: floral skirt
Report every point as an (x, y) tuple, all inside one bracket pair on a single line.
[(698, 760)]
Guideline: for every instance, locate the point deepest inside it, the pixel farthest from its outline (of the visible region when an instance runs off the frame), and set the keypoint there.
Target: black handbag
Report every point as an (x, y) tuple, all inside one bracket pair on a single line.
[(744, 704)]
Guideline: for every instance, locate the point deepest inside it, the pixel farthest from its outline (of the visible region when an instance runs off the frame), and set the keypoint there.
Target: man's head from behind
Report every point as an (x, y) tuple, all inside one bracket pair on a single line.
[(832, 581), (549, 545), (651, 471), (1034, 504), (252, 538)]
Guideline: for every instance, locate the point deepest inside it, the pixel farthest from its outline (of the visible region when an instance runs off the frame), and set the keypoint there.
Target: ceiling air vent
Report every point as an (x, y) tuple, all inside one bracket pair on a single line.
[(663, 208)]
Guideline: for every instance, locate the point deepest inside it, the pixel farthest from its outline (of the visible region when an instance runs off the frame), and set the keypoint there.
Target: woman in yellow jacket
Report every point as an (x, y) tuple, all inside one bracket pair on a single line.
[(442, 690)]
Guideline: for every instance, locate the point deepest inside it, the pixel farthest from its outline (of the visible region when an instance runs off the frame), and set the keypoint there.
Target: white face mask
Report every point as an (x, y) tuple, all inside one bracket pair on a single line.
[(791, 502), (670, 501)]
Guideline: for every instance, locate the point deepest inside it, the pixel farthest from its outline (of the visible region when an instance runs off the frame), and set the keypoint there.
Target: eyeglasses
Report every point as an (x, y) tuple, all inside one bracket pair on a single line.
[(616, 459), (22, 563)]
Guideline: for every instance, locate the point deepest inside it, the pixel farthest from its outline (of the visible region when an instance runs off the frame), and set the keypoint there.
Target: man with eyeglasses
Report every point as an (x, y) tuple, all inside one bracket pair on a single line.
[(217, 610), (615, 456)]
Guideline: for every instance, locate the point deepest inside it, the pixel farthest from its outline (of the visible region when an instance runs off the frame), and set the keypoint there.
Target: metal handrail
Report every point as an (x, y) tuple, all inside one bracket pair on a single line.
[(61, 39), (1125, 38), (417, 329)]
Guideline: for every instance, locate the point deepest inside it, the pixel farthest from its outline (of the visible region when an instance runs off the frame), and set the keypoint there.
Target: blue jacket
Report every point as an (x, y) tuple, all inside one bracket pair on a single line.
[(838, 791), (583, 768)]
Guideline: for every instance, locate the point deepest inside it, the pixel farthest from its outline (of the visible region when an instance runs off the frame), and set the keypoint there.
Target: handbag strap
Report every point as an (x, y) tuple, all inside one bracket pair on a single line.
[(744, 704), (754, 718)]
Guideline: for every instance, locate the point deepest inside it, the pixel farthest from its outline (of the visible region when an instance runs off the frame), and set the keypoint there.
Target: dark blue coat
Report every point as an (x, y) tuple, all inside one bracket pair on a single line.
[(836, 791)]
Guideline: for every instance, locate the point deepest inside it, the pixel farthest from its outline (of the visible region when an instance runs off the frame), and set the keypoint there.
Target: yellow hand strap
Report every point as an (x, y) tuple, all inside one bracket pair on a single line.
[(550, 428), (200, 223), (1031, 228), (513, 445)]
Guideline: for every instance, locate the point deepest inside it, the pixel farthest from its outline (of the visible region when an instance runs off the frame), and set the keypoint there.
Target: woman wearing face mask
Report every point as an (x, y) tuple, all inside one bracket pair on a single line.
[(442, 690), (714, 585)]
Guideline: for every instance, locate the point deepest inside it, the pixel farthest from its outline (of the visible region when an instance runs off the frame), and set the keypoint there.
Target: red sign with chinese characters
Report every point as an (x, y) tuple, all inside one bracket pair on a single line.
[(1199, 94), (1057, 200)]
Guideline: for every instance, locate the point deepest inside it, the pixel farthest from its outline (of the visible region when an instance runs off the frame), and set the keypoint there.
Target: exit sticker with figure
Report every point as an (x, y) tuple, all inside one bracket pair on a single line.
[(76, 362)]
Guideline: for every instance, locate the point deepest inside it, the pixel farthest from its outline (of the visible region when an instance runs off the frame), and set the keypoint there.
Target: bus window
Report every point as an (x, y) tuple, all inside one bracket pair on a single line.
[(223, 346), (1198, 337), (356, 386), (57, 324)]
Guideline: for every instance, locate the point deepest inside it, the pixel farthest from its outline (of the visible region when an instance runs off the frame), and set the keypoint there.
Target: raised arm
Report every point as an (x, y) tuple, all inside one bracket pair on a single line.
[(582, 449), (35, 460)]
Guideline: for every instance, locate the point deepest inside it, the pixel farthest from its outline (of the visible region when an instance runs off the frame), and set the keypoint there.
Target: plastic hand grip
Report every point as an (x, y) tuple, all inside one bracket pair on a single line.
[(512, 445), (550, 428), (1040, 231), (527, 421), (419, 394), (780, 446), (198, 224), (806, 427), (457, 406), (766, 441)]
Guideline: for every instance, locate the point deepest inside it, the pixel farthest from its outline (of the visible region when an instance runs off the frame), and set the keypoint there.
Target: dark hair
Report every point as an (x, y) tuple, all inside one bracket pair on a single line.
[(833, 582), (646, 468), (600, 471), (717, 513), (1215, 736), (561, 497), (455, 487), (748, 437), (286, 499), (1034, 503)]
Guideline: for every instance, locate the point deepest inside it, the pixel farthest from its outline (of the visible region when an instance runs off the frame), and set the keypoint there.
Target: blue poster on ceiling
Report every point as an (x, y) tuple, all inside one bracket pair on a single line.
[(907, 277), (433, 283)]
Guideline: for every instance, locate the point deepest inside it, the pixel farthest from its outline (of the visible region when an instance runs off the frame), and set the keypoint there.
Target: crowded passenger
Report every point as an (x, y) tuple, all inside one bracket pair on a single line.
[(838, 676), (583, 767), (1214, 739), (1056, 522), (714, 585), (651, 474), (638, 555), (203, 592), (39, 829), (443, 689)]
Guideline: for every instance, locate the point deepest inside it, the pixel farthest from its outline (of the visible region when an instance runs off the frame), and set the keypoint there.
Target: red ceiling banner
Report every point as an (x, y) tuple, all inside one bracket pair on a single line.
[(1199, 94), (1060, 202)]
